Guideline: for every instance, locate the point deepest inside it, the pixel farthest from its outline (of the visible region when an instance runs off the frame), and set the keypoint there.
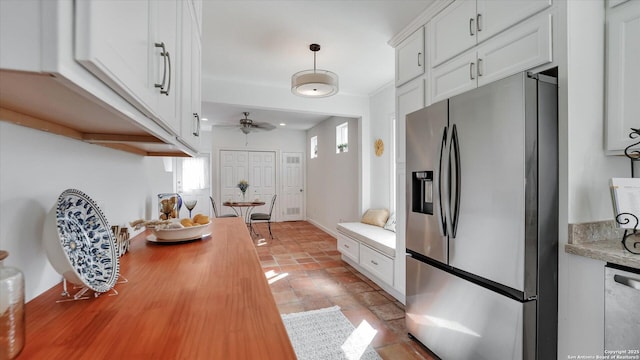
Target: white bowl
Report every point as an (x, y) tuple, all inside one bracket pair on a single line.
[(186, 233)]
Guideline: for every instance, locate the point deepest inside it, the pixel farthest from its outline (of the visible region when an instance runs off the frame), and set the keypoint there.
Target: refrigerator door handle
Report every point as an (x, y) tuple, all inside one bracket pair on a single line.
[(454, 180), (440, 183)]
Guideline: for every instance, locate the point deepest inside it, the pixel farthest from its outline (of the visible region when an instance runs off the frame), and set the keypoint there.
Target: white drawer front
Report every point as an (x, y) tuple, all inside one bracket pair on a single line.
[(377, 263), (349, 247)]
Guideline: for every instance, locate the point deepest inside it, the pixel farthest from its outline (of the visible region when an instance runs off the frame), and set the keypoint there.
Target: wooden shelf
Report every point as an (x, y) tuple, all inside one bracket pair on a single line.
[(206, 299)]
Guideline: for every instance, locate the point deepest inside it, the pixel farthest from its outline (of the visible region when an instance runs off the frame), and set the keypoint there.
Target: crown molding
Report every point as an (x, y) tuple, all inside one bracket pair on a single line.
[(421, 20)]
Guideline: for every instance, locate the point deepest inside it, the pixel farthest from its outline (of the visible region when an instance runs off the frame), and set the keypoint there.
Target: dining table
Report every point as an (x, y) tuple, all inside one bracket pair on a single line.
[(243, 208)]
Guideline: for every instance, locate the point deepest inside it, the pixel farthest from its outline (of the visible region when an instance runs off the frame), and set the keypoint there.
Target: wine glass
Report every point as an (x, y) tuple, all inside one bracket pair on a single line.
[(190, 204)]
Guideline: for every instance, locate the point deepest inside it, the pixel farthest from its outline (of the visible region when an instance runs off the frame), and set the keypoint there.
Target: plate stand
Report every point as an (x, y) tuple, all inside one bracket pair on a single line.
[(81, 294)]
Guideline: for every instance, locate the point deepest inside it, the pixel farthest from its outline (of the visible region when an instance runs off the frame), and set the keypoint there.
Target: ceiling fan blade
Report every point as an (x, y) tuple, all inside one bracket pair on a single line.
[(263, 126)]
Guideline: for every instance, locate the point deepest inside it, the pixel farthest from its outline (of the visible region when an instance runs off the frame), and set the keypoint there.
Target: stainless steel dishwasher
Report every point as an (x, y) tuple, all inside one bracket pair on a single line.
[(621, 310)]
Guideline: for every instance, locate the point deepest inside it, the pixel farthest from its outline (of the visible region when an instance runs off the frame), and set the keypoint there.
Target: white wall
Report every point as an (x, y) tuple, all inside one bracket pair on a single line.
[(36, 167), (332, 179), (382, 112), (584, 175)]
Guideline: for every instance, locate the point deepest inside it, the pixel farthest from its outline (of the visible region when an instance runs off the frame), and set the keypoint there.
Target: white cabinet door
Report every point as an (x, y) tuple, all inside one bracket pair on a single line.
[(452, 31), (112, 42), (190, 96), (165, 14), (495, 16), (410, 57), (454, 77), (623, 74), (523, 47), (409, 98)]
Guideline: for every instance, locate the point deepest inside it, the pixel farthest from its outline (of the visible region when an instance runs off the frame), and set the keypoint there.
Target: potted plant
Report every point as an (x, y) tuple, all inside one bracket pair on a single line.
[(342, 147)]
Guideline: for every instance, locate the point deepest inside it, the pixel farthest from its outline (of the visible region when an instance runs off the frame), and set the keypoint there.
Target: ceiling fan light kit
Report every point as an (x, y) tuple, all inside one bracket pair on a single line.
[(314, 83), (247, 125)]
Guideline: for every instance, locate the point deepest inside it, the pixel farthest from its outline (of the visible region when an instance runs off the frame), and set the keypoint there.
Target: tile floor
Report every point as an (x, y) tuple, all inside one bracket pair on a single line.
[(305, 272)]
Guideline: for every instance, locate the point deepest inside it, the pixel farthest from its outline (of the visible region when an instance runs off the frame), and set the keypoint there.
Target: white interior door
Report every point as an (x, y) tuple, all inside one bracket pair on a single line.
[(257, 167), (234, 166), (262, 179), (193, 181), (292, 201)]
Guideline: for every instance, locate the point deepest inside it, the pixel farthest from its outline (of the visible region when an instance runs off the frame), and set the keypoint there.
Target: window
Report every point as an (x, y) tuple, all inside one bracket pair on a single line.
[(194, 173), (314, 147), (342, 138)]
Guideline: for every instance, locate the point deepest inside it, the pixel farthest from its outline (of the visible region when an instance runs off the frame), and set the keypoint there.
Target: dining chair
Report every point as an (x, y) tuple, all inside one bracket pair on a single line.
[(215, 210), (263, 217)]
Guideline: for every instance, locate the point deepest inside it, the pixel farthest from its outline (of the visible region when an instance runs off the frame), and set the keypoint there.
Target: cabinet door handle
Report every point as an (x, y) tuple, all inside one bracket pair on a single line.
[(627, 281), (471, 66), (164, 58), (374, 263), (419, 55), (196, 132), (168, 57), (347, 246), (479, 67), (471, 33), (478, 19)]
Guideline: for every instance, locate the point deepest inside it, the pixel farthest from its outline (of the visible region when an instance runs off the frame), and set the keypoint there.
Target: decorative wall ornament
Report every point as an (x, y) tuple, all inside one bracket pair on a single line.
[(378, 145)]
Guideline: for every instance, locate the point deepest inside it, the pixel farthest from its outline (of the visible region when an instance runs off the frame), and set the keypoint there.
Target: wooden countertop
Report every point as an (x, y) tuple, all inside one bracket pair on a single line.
[(206, 299)]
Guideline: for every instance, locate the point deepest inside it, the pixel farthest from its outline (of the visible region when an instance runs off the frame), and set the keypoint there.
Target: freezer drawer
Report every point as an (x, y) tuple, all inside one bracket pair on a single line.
[(621, 309), (457, 319)]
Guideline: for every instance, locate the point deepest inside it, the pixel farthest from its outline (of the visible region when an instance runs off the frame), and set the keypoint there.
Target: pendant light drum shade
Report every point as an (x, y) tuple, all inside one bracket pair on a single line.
[(316, 82)]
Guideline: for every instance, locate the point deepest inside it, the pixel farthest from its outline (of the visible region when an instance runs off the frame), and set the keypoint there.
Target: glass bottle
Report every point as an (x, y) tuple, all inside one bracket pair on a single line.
[(11, 310)]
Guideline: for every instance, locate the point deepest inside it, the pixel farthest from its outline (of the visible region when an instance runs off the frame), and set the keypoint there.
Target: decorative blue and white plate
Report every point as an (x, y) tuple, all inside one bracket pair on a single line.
[(87, 240)]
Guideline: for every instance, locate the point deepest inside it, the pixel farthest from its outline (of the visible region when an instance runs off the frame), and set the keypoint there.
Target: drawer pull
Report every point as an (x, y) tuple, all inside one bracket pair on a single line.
[(627, 281), (347, 246), (374, 263)]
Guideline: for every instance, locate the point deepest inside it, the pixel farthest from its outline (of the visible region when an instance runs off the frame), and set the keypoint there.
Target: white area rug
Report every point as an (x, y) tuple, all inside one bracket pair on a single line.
[(326, 334)]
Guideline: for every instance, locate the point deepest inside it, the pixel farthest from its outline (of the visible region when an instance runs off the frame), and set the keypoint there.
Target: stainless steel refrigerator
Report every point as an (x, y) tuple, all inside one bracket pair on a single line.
[(482, 228)]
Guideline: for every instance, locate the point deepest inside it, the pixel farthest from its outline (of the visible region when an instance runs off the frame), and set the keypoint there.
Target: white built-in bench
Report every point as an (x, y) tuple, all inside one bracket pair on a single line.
[(370, 249)]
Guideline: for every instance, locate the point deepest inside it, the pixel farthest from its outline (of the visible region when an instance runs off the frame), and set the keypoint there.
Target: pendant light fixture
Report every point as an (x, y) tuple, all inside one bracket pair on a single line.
[(314, 83)]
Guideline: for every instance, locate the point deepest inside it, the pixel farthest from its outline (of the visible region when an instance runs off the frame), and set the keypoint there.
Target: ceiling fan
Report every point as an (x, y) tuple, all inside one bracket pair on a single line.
[(247, 125)]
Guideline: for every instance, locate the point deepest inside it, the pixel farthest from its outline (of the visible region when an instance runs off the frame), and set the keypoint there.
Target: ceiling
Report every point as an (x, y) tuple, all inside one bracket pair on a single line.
[(264, 42)]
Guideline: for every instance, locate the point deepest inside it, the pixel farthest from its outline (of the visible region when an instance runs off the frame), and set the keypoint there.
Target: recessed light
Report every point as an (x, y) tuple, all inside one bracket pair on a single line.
[(283, 124), (205, 119)]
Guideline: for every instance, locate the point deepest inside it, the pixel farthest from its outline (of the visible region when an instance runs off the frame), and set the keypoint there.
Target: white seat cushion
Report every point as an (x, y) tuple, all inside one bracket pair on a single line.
[(374, 236)]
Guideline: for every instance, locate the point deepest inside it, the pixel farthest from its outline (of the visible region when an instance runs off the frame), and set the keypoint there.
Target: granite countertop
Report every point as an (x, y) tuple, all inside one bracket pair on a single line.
[(601, 241)]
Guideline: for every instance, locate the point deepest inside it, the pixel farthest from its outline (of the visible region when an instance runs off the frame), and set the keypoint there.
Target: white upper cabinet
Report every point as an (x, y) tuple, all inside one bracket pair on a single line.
[(522, 47), (167, 67), (132, 47), (410, 58), (496, 15), (466, 23), (453, 31), (112, 41), (622, 74), (190, 80), (88, 70)]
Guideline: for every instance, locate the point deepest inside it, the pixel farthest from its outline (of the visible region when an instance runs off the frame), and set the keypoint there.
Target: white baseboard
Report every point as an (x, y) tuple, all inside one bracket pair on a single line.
[(386, 287), (332, 232)]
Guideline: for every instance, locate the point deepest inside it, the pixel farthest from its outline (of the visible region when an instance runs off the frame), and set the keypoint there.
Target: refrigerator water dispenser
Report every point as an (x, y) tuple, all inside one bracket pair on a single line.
[(422, 192)]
